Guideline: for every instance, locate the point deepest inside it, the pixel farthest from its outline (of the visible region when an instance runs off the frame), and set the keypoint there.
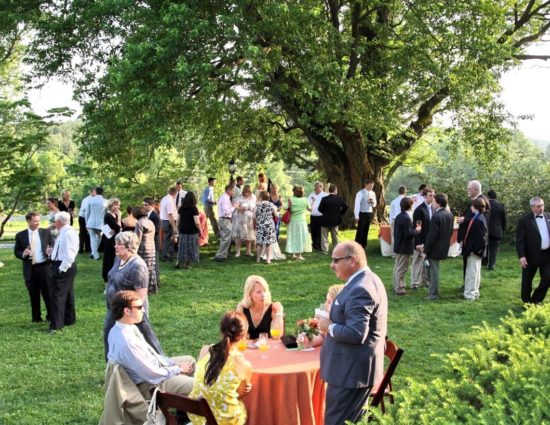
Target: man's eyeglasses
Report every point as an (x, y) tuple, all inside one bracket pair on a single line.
[(137, 307), (335, 260)]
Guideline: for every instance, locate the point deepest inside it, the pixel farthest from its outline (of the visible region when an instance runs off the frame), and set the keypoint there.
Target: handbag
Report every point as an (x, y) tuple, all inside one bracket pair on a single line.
[(286, 216), (154, 415)]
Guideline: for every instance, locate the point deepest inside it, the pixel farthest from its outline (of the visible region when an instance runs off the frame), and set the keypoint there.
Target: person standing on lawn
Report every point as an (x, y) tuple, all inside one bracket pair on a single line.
[(352, 356)]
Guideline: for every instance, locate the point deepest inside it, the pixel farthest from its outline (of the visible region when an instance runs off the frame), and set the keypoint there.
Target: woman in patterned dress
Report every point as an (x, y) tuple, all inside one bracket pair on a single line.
[(297, 238), (145, 231), (223, 375), (243, 221), (265, 226)]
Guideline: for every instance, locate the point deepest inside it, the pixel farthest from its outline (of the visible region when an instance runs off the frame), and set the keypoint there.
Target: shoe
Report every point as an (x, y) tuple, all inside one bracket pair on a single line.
[(37, 320), (461, 289), (51, 331), (424, 285), (400, 292), (491, 268), (177, 266), (219, 259), (431, 298), (91, 256)]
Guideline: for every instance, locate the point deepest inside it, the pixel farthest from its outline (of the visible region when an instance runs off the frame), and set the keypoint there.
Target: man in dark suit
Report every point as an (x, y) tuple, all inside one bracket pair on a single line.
[(497, 226), (533, 248), (438, 241), (332, 207), (30, 246), (422, 214), (403, 247), (352, 356)]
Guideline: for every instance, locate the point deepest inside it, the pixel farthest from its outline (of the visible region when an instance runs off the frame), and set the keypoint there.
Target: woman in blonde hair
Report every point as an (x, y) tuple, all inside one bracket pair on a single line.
[(261, 313)]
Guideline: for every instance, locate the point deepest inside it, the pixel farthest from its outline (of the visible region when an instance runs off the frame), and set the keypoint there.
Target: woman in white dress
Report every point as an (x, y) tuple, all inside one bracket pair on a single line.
[(243, 221)]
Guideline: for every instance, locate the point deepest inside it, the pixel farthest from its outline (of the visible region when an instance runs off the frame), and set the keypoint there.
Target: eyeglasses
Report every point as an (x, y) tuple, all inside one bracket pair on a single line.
[(137, 307), (335, 260)]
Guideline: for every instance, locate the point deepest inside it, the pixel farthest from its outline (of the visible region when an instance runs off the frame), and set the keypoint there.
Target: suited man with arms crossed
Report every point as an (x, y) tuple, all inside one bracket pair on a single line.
[(533, 248), (352, 356), (437, 243), (497, 226), (31, 247)]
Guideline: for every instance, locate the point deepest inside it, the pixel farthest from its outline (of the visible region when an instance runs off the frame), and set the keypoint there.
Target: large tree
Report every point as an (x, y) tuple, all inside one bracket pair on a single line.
[(356, 82)]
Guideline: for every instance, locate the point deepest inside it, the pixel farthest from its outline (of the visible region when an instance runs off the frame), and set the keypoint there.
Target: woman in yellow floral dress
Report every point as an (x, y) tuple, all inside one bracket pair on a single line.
[(223, 375)]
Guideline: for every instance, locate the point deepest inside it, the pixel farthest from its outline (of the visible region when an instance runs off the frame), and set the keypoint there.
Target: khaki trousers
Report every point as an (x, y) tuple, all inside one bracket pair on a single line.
[(324, 237), (473, 277), (419, 275), (399, 271)]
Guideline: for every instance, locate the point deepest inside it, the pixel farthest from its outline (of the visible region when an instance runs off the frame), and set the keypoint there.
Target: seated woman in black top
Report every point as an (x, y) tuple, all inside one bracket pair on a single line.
[(189, 225), (262, 314)]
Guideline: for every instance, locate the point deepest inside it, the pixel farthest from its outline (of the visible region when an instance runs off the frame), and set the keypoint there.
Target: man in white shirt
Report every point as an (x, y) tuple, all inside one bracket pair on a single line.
[(313, 200), (63, 272), (31, 247), (365, 201), (395, 209), (180, 195), (208, 200), (168, 224), (144, 366), (95, 216), (225, 213), (418, 198), (84, 245)]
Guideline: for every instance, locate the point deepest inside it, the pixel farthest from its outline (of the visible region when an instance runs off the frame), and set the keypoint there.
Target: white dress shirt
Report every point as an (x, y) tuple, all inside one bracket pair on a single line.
[(362, 202), (128, 348), (167, 207), (36, 247), (314, 199), (225, 208), (65, 248), (395, 208), (543, 230), (179, 198)]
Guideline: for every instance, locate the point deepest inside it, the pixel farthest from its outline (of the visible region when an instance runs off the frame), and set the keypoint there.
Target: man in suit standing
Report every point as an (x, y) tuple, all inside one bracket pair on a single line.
[(497, 226), (352, 356), (31, 247), (365, 201), (422, 214), (84, 245), (63, 270), (403, 248), (95, 213), (438, 241), (331, 207), (533, 248)]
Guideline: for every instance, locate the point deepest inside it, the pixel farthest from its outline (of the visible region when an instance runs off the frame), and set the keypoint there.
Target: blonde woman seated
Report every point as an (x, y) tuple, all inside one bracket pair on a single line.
[(261, 313), (223, 375), (332, 293)]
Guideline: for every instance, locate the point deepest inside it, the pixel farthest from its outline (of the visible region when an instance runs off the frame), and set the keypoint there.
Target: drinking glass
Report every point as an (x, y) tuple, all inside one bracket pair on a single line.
[(263, 345), (241, 345)]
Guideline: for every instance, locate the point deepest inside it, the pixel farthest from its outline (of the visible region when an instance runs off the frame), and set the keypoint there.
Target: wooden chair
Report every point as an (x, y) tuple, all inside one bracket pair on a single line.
[(384, 387), (167, 402)]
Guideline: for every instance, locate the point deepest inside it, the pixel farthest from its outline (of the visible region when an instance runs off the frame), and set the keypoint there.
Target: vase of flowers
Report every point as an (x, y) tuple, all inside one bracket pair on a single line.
[(306, 329)]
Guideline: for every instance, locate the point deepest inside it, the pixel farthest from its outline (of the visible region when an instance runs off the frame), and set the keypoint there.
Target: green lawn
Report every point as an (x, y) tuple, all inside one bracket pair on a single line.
[(59, 379)]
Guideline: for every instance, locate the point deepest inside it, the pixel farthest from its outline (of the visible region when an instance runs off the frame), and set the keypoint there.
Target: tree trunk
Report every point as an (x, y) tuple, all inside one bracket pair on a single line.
[(348, 168)]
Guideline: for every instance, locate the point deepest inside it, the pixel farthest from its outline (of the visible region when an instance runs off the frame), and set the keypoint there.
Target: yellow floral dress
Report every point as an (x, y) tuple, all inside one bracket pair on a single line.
[(222, 395)]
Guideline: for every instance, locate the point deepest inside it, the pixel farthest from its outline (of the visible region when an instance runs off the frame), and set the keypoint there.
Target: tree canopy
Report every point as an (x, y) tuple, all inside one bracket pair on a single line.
[(356, 82)]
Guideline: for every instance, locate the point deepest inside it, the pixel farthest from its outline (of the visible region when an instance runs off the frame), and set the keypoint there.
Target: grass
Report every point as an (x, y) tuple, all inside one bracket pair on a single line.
[(59, 379)]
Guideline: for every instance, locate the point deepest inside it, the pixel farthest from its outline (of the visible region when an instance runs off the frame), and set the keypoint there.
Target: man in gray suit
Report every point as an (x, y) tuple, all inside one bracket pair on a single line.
[(95, 214), (352, 356)]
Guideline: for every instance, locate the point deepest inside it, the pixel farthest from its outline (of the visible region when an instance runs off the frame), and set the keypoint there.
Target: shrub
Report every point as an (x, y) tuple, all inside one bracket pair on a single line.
[(503, 378)]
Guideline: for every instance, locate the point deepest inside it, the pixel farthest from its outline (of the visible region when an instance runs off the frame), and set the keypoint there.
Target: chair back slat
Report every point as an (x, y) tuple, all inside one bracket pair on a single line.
[(199, 407), (393, 353)]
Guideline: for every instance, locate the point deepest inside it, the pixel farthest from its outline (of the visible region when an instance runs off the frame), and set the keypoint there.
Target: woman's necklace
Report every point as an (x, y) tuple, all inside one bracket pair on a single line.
[(124, 262)]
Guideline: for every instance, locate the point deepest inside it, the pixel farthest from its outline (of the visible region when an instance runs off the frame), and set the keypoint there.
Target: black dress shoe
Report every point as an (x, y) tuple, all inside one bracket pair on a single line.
[(37, 320), (219, 259)]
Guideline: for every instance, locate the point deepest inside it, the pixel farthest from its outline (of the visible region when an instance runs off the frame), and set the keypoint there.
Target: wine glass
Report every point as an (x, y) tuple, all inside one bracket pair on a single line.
[(262, 344), (241, 345), (276, 335)]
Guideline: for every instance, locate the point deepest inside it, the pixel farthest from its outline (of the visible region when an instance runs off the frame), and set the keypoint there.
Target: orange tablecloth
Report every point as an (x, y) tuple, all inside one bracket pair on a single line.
[(286, 387)]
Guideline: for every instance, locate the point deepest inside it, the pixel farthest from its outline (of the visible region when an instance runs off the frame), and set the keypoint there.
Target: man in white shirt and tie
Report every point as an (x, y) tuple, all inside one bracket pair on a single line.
[(225, 213), (144, 366), (31, 247), (180, 194), (63, 270), (395, 209), (314, 199), (365, 201)]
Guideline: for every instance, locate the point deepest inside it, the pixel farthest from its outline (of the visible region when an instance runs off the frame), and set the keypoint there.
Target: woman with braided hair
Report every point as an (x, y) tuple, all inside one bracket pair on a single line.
[(223, 375)]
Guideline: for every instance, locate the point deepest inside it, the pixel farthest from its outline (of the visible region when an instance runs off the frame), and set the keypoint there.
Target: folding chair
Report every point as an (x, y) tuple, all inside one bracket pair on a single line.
[(167, 402), (384, 387)]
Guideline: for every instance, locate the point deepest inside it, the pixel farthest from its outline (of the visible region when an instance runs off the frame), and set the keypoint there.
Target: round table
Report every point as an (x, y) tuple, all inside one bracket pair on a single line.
[(286, 387)]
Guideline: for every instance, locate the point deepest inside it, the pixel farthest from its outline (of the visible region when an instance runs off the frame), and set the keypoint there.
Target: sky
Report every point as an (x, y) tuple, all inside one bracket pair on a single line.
[(526, 91)]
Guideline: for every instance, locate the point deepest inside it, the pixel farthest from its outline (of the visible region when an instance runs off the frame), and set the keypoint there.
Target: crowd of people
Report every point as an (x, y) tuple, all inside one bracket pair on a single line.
[(132, 248)]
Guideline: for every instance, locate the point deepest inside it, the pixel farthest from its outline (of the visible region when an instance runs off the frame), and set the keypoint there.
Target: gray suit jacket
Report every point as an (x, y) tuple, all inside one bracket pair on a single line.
[(354, 356), (95, 212)]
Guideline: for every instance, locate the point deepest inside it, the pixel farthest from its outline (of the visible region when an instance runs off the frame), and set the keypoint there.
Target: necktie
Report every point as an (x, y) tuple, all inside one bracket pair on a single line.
[(33, 247), (538, 216), (178, 199)]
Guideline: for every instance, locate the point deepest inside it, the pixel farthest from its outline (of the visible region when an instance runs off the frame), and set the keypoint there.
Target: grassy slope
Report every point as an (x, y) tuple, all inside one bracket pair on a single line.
[(59, 379)]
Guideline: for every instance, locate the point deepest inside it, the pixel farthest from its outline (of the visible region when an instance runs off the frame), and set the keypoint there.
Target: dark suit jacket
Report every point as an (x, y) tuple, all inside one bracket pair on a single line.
[(497, 219), (476, 239), (468, 214), (528, 238), (332, 207), (154, 217), (421, 213), (354, 356), (22, 242), (438, 240), (403, 234)]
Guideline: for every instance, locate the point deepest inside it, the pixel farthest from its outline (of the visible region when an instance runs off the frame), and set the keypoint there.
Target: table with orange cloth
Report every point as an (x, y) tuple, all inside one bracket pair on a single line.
[(286, 387)]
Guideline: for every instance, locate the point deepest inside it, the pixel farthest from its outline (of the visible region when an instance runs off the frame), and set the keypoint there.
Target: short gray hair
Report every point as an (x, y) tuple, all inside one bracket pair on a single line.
[(63, 217), (129, 240), (535, 200), (475, 184)]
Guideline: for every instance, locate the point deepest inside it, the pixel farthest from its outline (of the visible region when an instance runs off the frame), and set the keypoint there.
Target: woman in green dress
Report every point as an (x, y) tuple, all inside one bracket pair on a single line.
[(297, 238), (222, 373)]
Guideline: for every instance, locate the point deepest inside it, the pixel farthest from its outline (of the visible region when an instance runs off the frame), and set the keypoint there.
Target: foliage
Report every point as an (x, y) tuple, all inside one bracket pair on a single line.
[(502, 377), (50, 380), (357, 83)]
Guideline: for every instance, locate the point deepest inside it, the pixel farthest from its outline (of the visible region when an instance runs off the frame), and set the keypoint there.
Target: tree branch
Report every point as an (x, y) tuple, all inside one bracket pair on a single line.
[(528, 57)]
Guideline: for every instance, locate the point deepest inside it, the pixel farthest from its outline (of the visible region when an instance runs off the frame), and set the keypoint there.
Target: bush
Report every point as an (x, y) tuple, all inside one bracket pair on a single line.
[(503, 378)]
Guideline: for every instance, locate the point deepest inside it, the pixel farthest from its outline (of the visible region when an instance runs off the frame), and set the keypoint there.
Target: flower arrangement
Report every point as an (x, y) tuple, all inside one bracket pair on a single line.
[(306, 330)]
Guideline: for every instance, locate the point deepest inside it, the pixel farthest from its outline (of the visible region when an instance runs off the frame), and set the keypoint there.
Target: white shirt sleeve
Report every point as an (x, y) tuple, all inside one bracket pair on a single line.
[(357, 206)]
